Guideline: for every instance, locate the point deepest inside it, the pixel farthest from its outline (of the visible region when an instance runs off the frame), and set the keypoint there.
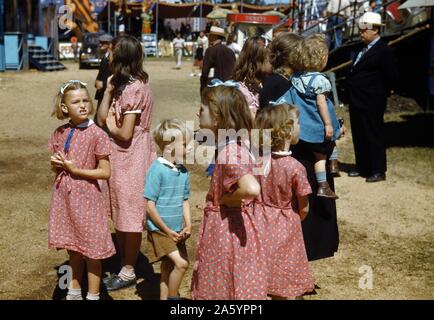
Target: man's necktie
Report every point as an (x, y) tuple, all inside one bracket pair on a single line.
[(361, 53)]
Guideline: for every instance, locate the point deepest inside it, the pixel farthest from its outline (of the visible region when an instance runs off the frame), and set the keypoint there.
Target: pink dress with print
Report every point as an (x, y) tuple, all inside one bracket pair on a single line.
[(130, 160), (286, 254), (230, 263), (252, 98), (78, 214)]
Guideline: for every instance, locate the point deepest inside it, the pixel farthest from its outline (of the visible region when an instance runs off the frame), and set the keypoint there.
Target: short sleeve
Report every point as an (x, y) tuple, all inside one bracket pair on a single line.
[(135, 97), (102, 145), (299, 181), (321, 85), (54, 143), (236, 166), (153, 184), (187, 187)]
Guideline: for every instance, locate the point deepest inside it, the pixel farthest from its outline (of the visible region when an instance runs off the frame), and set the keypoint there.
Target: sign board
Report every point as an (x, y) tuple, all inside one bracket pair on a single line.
[(66, 51), (149, 44)]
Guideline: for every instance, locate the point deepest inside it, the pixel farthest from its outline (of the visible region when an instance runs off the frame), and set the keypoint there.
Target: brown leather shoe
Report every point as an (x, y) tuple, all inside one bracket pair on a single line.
[(334, 168), (325, 191)]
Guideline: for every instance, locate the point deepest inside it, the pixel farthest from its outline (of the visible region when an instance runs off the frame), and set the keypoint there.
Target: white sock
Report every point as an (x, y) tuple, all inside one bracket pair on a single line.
[(92, 296), (74, 294), (127, 274)]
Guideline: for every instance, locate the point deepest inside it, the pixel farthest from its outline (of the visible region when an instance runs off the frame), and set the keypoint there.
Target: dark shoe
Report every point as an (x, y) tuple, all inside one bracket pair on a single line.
[(334, 168), (376, 177), (353, 174), (109, 278), (325, 191), (116, 283)]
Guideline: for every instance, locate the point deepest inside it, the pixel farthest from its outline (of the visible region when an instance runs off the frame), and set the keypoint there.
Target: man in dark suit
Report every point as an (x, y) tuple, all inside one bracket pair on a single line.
[(370, 81), (104, 70), (219, 59)]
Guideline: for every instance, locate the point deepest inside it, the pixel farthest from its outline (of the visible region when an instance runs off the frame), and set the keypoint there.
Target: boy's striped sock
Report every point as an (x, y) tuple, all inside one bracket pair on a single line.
[(321, 176), (127, 274)]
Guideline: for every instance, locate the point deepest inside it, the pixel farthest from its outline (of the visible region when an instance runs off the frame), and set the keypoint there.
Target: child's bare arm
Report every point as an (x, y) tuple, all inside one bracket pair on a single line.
[(105, 103), (124, 133), (156, 219), (101, 172), (186, 232), (248, 189), (325, 116), (303, 206)]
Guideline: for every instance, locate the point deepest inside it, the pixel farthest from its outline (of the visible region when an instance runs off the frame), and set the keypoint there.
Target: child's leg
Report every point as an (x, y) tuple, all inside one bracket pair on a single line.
[(120, 236), (94, 278), (175, 277), (320, 167), (76, 262), (166, 268), (321, 177), (132, 248), (334, 155), (334, 166)]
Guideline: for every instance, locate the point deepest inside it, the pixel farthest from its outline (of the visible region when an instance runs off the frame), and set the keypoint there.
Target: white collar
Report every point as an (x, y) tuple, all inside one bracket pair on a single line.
[(166, 162), (282, 153), (84, 124)]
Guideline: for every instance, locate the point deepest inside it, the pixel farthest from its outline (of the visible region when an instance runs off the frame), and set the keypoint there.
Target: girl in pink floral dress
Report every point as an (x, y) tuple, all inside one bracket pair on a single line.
[(78, 214), (126, 109), (284, 190), (251, 68), (230, 261)]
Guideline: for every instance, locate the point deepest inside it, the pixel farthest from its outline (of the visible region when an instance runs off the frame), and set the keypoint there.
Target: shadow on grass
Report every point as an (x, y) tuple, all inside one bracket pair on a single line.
[(147, 289), (417, 130)]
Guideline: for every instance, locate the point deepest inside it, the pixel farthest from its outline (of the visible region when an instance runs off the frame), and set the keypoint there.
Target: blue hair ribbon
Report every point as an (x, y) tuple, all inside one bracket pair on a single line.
[(228, 83)]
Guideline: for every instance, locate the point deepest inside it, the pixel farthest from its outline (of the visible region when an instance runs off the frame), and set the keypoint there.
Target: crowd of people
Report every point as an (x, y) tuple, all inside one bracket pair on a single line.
[(271, 206)]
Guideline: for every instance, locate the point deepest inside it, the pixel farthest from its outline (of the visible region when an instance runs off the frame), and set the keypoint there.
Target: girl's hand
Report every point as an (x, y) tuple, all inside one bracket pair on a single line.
[(60, 160), (111, 120), (303, 215), (328, 131), (109, 87)]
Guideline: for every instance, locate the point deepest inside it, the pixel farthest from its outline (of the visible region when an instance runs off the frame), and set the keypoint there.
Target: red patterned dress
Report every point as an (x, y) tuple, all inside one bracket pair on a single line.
[(131, 160), (78, 214), (230, 262), (286, 254)]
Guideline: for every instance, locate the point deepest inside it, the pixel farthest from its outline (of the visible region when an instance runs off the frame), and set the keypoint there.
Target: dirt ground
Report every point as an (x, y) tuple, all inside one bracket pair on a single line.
[(386, 229)]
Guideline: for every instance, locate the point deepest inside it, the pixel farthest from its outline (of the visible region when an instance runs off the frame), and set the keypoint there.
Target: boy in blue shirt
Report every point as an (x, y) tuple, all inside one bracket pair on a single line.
[(167, 190)]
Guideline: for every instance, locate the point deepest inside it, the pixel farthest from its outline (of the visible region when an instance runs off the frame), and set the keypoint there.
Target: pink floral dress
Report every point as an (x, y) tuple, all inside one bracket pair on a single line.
[(252, 98), (131, 160), (286, 254), (78, 214), (230, 263)]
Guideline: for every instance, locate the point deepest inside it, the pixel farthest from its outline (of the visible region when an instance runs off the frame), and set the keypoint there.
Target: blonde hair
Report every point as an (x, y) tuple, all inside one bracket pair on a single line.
[(280, 120), (285, 52), (229, 107), (60, 98), (313, 50), (160, 132)]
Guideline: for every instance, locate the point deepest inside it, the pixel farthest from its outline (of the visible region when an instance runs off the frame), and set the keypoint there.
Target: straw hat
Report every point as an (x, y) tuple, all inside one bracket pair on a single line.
[(370, 19), (217, 31), (105, 38)]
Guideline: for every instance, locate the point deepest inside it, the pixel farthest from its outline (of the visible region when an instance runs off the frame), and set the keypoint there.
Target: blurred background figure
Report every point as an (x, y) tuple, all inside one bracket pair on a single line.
[(104, 69)]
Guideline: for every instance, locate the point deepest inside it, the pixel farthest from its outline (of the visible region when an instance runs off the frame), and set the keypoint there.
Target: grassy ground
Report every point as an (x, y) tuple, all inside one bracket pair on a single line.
[(386, 228)]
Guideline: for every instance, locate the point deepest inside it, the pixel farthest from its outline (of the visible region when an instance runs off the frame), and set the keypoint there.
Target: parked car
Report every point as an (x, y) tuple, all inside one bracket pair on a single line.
[(90, 55)]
